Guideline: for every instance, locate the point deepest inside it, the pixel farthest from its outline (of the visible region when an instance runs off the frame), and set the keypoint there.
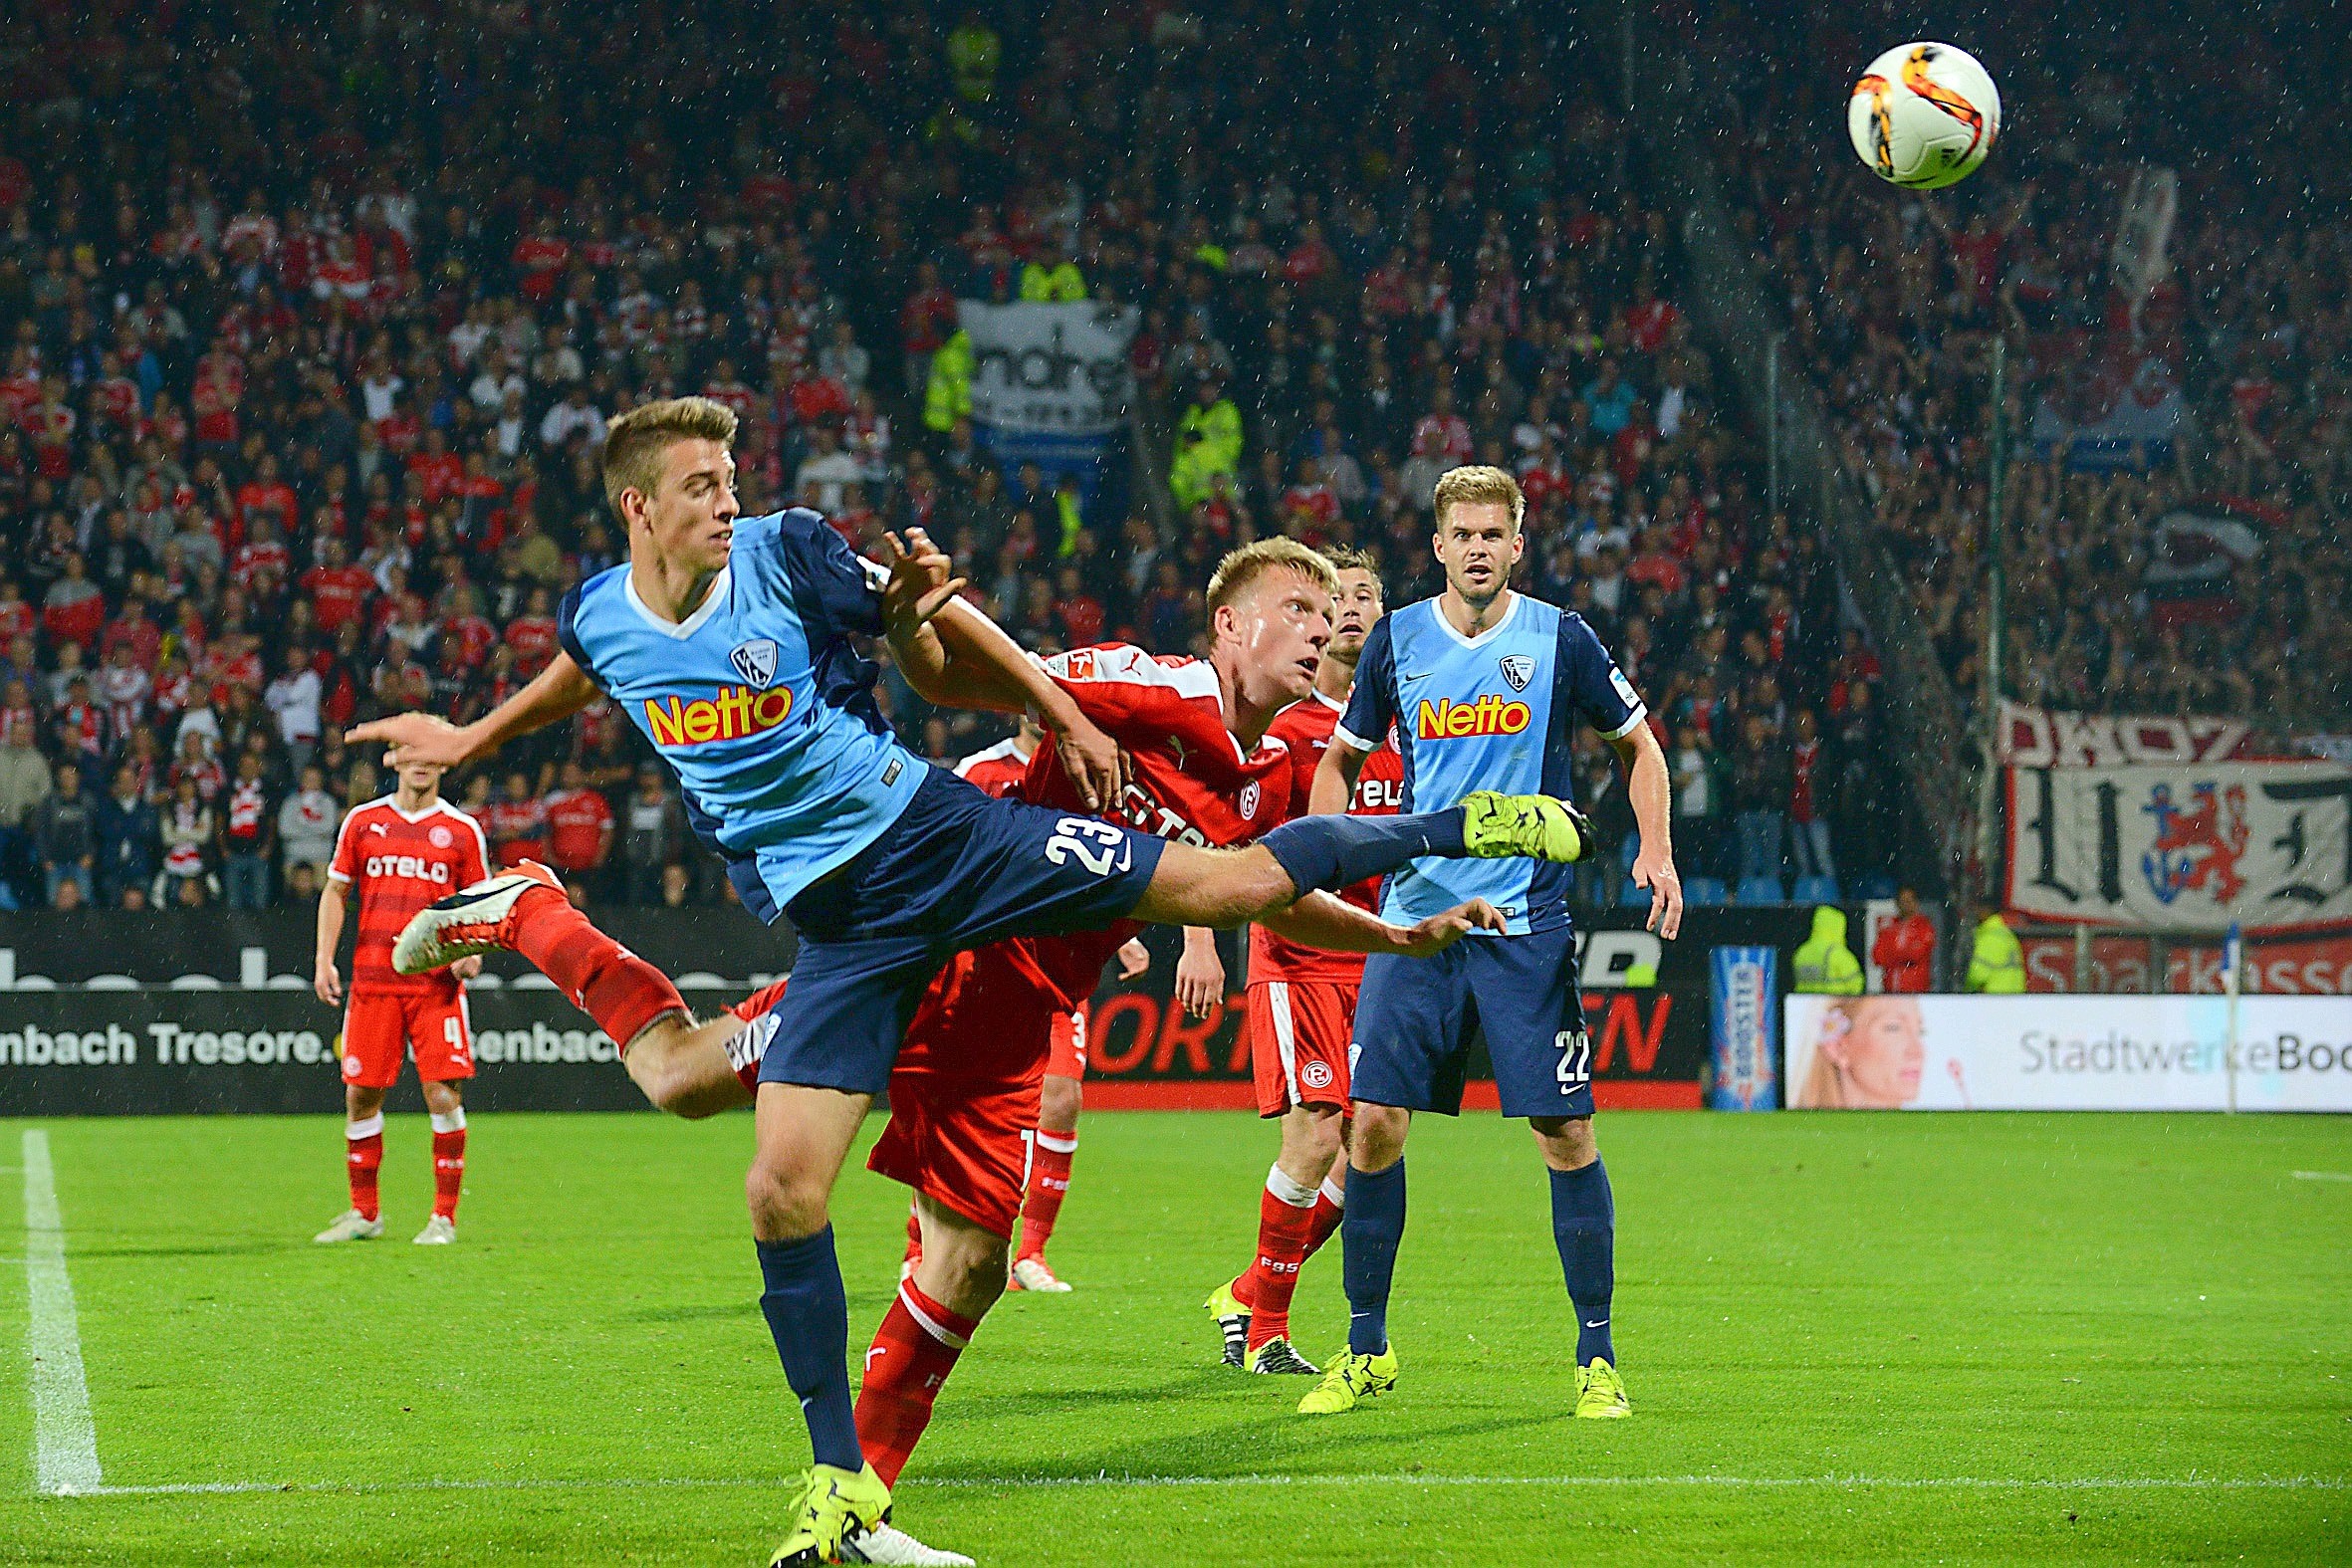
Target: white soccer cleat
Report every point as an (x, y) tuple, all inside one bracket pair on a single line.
[(1031, 1274), (350, 1226), (886, 1543), (477, 918), (437, 1232)]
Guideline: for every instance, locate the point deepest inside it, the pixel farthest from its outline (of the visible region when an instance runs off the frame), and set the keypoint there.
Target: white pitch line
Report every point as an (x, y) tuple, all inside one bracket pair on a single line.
[(2323, 1176), (65, 1443), (1026, 1482)]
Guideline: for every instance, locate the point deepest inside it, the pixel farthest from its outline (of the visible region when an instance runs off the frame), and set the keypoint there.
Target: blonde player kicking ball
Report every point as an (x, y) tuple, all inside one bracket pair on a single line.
[(401, 852), (733, 645), (1302, 1002), (1483, 687)]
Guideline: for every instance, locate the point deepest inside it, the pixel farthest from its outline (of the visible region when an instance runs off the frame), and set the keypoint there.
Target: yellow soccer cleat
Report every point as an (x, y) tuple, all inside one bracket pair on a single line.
[(1233, 1322), (1350, 1381), (1535, 825), (834, 1506), (1600, 1393)]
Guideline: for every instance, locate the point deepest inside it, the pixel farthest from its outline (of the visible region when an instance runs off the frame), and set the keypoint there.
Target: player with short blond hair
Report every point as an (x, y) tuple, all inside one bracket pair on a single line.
[(1301, 1004), (1482, 686)]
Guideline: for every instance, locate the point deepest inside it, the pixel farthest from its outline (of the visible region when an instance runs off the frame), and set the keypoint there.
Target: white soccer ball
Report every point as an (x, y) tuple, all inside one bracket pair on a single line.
[(1924, 116)]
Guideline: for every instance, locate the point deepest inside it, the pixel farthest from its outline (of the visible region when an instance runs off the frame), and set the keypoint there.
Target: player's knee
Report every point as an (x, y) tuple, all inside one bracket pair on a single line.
[(1378, 1141), (1566, 1141), (1060, 1104), (786, 1203), (976, 1279)]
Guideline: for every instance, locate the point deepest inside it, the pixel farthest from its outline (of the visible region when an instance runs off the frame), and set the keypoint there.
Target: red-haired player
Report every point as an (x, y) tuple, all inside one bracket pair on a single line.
[(1302, 1012), (401, 852)]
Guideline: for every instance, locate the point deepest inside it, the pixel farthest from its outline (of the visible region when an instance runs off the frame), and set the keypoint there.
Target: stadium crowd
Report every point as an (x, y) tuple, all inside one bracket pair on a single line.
[(2122, 594), (299, 408)]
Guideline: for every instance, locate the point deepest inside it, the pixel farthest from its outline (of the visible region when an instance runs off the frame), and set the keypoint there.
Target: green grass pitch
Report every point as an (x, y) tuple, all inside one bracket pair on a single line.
[(1987, 1339)]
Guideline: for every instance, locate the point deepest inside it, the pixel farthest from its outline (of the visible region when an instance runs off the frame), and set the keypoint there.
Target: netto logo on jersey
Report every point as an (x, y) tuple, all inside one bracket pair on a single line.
[(1448, 719), (736, 711)]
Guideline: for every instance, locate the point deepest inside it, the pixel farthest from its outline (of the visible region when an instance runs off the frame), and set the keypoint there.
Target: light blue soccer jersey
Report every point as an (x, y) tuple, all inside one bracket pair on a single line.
[(1491, 711), (760, 701)]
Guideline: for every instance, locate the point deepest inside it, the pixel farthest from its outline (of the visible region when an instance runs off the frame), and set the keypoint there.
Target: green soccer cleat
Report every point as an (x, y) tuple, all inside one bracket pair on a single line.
[(1535, 825), (1279, 1356), (1233, 1322), (1600, 1393), (1352, 1379), (834, 1506)]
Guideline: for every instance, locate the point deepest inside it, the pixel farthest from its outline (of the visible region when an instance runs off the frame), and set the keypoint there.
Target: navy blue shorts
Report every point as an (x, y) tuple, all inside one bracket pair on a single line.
[(958, 870), (1416, 1018)]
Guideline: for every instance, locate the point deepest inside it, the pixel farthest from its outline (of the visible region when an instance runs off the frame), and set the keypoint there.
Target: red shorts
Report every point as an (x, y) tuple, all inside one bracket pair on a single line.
[(1298, 1035), (380, 1027), (1065, 1045), (963, 1094)]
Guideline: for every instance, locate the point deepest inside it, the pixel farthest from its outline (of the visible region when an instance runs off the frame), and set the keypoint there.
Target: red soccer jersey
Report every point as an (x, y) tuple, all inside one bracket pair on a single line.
[(403, 864), (520, 826), (998, 771), (1305, 728), (580, 827), (533, 637), (337, 593), (1188, 781)]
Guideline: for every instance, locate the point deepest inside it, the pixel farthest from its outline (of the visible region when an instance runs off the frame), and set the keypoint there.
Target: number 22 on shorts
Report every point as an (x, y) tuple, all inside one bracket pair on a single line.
[(1099, 846), (1575, 1059)]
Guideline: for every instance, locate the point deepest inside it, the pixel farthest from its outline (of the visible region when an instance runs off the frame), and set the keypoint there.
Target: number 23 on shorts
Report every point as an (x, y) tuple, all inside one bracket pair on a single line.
[(1099, 846)]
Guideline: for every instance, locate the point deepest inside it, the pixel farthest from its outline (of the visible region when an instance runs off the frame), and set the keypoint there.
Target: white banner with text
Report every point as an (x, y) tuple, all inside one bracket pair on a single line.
[(2068, 1054)]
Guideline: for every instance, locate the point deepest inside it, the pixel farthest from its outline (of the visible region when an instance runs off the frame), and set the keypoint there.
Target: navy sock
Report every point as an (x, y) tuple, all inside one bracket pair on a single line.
[(1585, 1225), (809, 1316), (1332, 852), (1369, 1229)]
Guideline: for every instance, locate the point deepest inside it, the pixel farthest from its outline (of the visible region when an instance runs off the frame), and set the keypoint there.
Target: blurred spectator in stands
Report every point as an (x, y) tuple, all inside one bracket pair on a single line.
[(65, 836), (129, 839), (248, 830), (294, 698), (579, 831), (186, 837), (307, 823), (1808, 820), (1905, 951), (1701, 802), (517, 823), (653, 837), (1760, 785)]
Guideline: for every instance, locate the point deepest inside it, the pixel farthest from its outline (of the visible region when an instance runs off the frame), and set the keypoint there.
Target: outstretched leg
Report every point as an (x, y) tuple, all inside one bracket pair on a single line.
[(1224, 888)]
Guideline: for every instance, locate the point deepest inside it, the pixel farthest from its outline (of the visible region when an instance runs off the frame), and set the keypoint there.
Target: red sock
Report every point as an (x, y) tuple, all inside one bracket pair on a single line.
[(448, 1162), (1330, 1205), (913, 1352), (363, 1155), (613, 986), (1281, 1248), (1048, 1183)]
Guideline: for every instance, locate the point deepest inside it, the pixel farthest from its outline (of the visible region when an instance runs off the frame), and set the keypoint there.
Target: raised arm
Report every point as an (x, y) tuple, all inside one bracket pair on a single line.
[(956, 657), (554, 695)]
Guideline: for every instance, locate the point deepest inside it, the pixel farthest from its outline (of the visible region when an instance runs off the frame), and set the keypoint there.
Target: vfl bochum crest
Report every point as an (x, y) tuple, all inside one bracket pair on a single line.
[(1519, 669), (755, 662)]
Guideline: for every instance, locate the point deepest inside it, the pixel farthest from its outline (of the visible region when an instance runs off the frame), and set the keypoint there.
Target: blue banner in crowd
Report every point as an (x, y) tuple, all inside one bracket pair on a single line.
[(1744, 1003)]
